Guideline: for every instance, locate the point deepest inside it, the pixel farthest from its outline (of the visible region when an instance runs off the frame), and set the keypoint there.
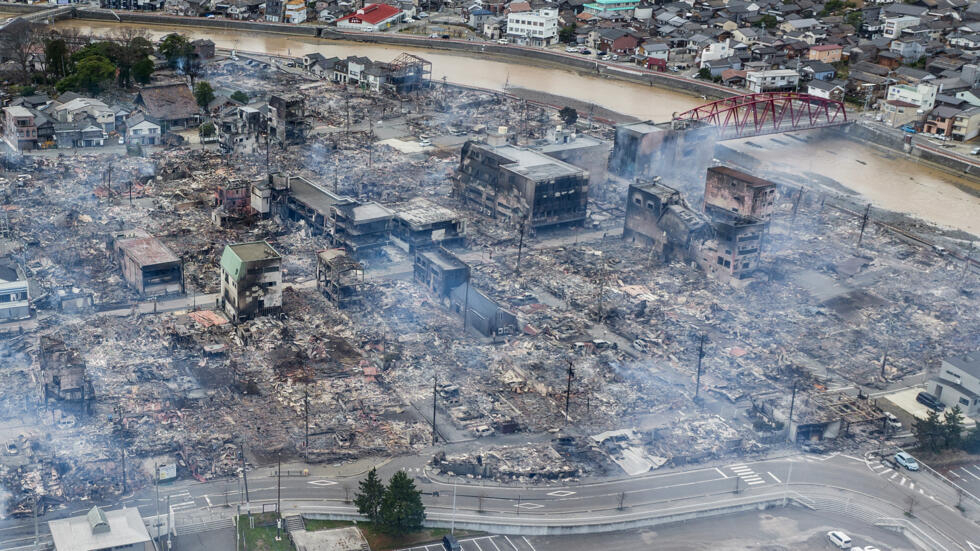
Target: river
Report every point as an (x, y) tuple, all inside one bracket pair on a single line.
[(888, 180)]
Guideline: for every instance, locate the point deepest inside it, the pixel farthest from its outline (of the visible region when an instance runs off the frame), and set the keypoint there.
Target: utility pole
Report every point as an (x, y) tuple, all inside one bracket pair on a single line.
[(864, 222), (279, 496), (792, 403), (602, 289), (884, 357), (124, 470), (697, 381), (244, 472), (306, 410), (347, 106), (434, 384), (35, 523), (466, 303), (520, 248), (568, 391), (796, 204), (156, 482)]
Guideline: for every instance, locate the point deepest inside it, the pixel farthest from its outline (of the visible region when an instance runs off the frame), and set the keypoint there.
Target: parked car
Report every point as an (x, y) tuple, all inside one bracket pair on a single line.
[(930, 401), (839, 539), (503, 41), (425, 142), (892, 421), (422, 15), (975, 151), (449, 543), (909, 128), (906, 461), (586, 52), (607, 57), (571, 49)]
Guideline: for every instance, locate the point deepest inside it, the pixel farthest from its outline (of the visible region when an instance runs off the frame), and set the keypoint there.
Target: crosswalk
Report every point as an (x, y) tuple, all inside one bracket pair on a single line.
[(897, 477), (746, 473)]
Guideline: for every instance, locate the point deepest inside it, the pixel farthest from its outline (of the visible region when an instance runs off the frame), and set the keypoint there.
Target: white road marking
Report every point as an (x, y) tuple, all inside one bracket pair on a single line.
[(561, 493), (321, 482), (776, 479), (529, 544), (921, 491), (892, 477), (208, 499), (526, 505), (911, 485), (721, 472), (511, 543), (492, 540), (969, 473), (754, 482), (903, 481), (477, 544), (954, 474)]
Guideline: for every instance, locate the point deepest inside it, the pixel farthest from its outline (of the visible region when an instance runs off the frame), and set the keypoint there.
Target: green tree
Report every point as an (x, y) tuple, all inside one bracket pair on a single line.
[(568, 115), (567, 34), (56, 60), (203, 93), (401, 508), (855, 19), (929, 431), (128, 50), (952, 427), (143, 70), (91, 75), (704, 73), (176, 48), (370, 493), (767, 21), (240, 97), (206, 130)]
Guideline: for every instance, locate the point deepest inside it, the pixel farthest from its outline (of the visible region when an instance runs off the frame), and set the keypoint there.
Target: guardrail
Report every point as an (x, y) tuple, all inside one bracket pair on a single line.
[(959, 489)]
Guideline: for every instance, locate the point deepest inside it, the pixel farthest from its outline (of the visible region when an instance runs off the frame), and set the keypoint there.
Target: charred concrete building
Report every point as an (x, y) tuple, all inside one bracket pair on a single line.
[(421, 224), (658, 217), (678, 150), (15, 299), (735, 249), (287, 118), (251, 280), (440, 271), (147, 264), (339, 277), (481, 313), (521, 186), (312, 203), (735, 192), (360, 228), (581, 150), (61, 374)]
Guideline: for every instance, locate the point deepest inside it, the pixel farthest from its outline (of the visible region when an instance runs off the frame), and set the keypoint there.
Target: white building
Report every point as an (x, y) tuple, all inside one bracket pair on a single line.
[(15, 300), (372, 18), (119, 530), (534, 28), (295, 12), (922, 94), (144, 133), (715, 51), (894, 25), (771, 81)]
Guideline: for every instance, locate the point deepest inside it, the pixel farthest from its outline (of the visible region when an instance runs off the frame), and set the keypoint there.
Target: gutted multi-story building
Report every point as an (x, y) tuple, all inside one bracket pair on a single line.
[(521, 186), (339, 277), (677, 151), (440, 271), (658, 217), (421, 224), (736, 192), (361, 228), (62, 375), (148, 265), (735, 249), (251, 280), (581, 150), (287, 118)]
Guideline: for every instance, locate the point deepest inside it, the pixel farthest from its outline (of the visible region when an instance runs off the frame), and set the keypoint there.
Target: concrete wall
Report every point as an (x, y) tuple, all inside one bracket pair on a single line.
[(203, 22)]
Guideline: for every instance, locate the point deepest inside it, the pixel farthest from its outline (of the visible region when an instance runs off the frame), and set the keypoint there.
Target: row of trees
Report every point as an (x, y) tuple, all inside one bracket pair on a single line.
[(936, 433), (395, 509)]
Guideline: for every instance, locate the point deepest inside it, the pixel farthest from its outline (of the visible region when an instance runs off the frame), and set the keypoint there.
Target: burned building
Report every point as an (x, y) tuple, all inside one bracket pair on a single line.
[(339, 277), (61, 374), (361, 228), (733, 191), (15, 300), (440, 271), (658, 217), (287, 118), (521, 186), (581, 150), (735, 248), (481, 312), (231, 201), (420, 223), (148, 265), (312, 203), (407, 73), (251, 280), (679, 150)]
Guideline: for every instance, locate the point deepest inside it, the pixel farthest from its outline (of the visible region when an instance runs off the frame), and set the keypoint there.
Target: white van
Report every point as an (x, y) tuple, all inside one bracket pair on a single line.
[(892, 421), (839, 539)]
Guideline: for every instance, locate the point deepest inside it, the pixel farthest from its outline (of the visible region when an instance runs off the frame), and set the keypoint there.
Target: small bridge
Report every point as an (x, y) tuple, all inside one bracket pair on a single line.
[(768, 113), (53, 14)]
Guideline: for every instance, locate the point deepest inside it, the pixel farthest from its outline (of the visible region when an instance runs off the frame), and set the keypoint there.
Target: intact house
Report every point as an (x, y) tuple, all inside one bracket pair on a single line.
[(533, 28), (827, 53), (141, 131), (958, 383), (772, 81), (826, 90), (896, 113), (168, 105), (251, 280), (372, 17), (19, 129)]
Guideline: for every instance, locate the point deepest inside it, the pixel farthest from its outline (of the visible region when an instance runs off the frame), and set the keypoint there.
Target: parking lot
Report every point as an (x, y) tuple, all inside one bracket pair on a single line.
[(967, 476), (484, 543)]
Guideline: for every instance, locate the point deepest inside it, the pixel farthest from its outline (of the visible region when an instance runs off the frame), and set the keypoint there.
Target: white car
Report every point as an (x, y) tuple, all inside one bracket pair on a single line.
[(571, 50), (503, 41), (425, 142), (906, 461), (839, 539)]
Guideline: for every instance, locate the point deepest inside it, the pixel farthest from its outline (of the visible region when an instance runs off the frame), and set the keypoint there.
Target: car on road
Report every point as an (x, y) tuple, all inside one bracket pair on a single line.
[(906, 461), (839, 539), (975, 151), (607, 57), (586, 52), (909, 128), (571, 49), (425, 142), (930, 401), (503, 41)]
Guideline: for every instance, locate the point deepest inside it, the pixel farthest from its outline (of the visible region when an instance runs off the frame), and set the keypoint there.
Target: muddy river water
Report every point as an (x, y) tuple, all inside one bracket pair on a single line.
[(888, 180)]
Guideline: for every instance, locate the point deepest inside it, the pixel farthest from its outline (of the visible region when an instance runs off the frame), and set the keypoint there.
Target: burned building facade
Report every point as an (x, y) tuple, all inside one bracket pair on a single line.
[(440, 271), (149, 266), (287, 118), (61, 374), (480, 312), (732, 191), (421, 224), (339, 277), (15, 299), (658, 217), (360, 228), (521, 186), (677, 150), (251, 280), (735, 249)]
